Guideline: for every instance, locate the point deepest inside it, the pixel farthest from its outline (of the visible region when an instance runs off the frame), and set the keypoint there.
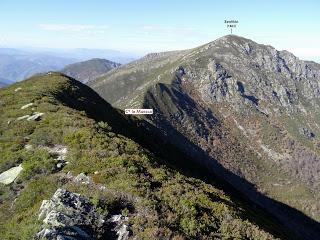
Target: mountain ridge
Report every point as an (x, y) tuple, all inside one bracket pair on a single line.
[(106, 171), (266, 104)]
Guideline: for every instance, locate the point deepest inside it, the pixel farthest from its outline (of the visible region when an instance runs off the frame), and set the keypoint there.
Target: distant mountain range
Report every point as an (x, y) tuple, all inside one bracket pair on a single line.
[(90, 69), (18, 64), (85, 54), (4, 82)]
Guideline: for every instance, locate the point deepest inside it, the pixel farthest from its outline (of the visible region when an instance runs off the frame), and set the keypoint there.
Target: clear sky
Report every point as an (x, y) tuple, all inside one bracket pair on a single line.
[(159, 25)]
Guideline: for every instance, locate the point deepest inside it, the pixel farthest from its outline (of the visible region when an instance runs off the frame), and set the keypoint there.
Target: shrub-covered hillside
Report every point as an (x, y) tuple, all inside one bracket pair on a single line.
[(66, 137)]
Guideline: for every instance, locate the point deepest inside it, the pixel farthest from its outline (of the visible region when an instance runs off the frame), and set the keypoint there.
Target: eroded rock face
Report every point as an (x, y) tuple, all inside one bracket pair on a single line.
[(274, 77)]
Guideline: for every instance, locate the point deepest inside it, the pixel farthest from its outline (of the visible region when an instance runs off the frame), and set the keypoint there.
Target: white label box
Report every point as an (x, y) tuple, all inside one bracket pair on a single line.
[(139, 111)]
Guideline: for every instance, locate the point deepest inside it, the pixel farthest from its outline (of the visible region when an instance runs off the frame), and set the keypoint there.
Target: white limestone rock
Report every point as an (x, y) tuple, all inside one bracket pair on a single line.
[(10, 175), (18, 89), (27, 105), (35, 117), (23, 117)]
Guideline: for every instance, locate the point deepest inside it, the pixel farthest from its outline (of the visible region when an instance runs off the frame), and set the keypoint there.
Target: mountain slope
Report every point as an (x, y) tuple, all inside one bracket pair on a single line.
[(243, 109), (89, 70), (64, 136)]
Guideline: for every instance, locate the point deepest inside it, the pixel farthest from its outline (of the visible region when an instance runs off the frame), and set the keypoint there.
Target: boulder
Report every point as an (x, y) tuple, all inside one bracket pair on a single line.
[(10, 175)]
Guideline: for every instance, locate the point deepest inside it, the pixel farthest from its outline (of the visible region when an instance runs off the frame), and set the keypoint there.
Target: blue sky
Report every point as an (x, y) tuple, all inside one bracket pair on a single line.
[(149, 26)]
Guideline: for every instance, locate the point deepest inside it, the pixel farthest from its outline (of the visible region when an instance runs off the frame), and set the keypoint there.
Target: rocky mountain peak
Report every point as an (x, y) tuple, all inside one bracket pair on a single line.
[(232, 68)]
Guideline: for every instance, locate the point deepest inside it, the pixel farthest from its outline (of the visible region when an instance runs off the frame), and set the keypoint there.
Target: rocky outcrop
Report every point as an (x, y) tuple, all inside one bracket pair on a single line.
[(69, 215)]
